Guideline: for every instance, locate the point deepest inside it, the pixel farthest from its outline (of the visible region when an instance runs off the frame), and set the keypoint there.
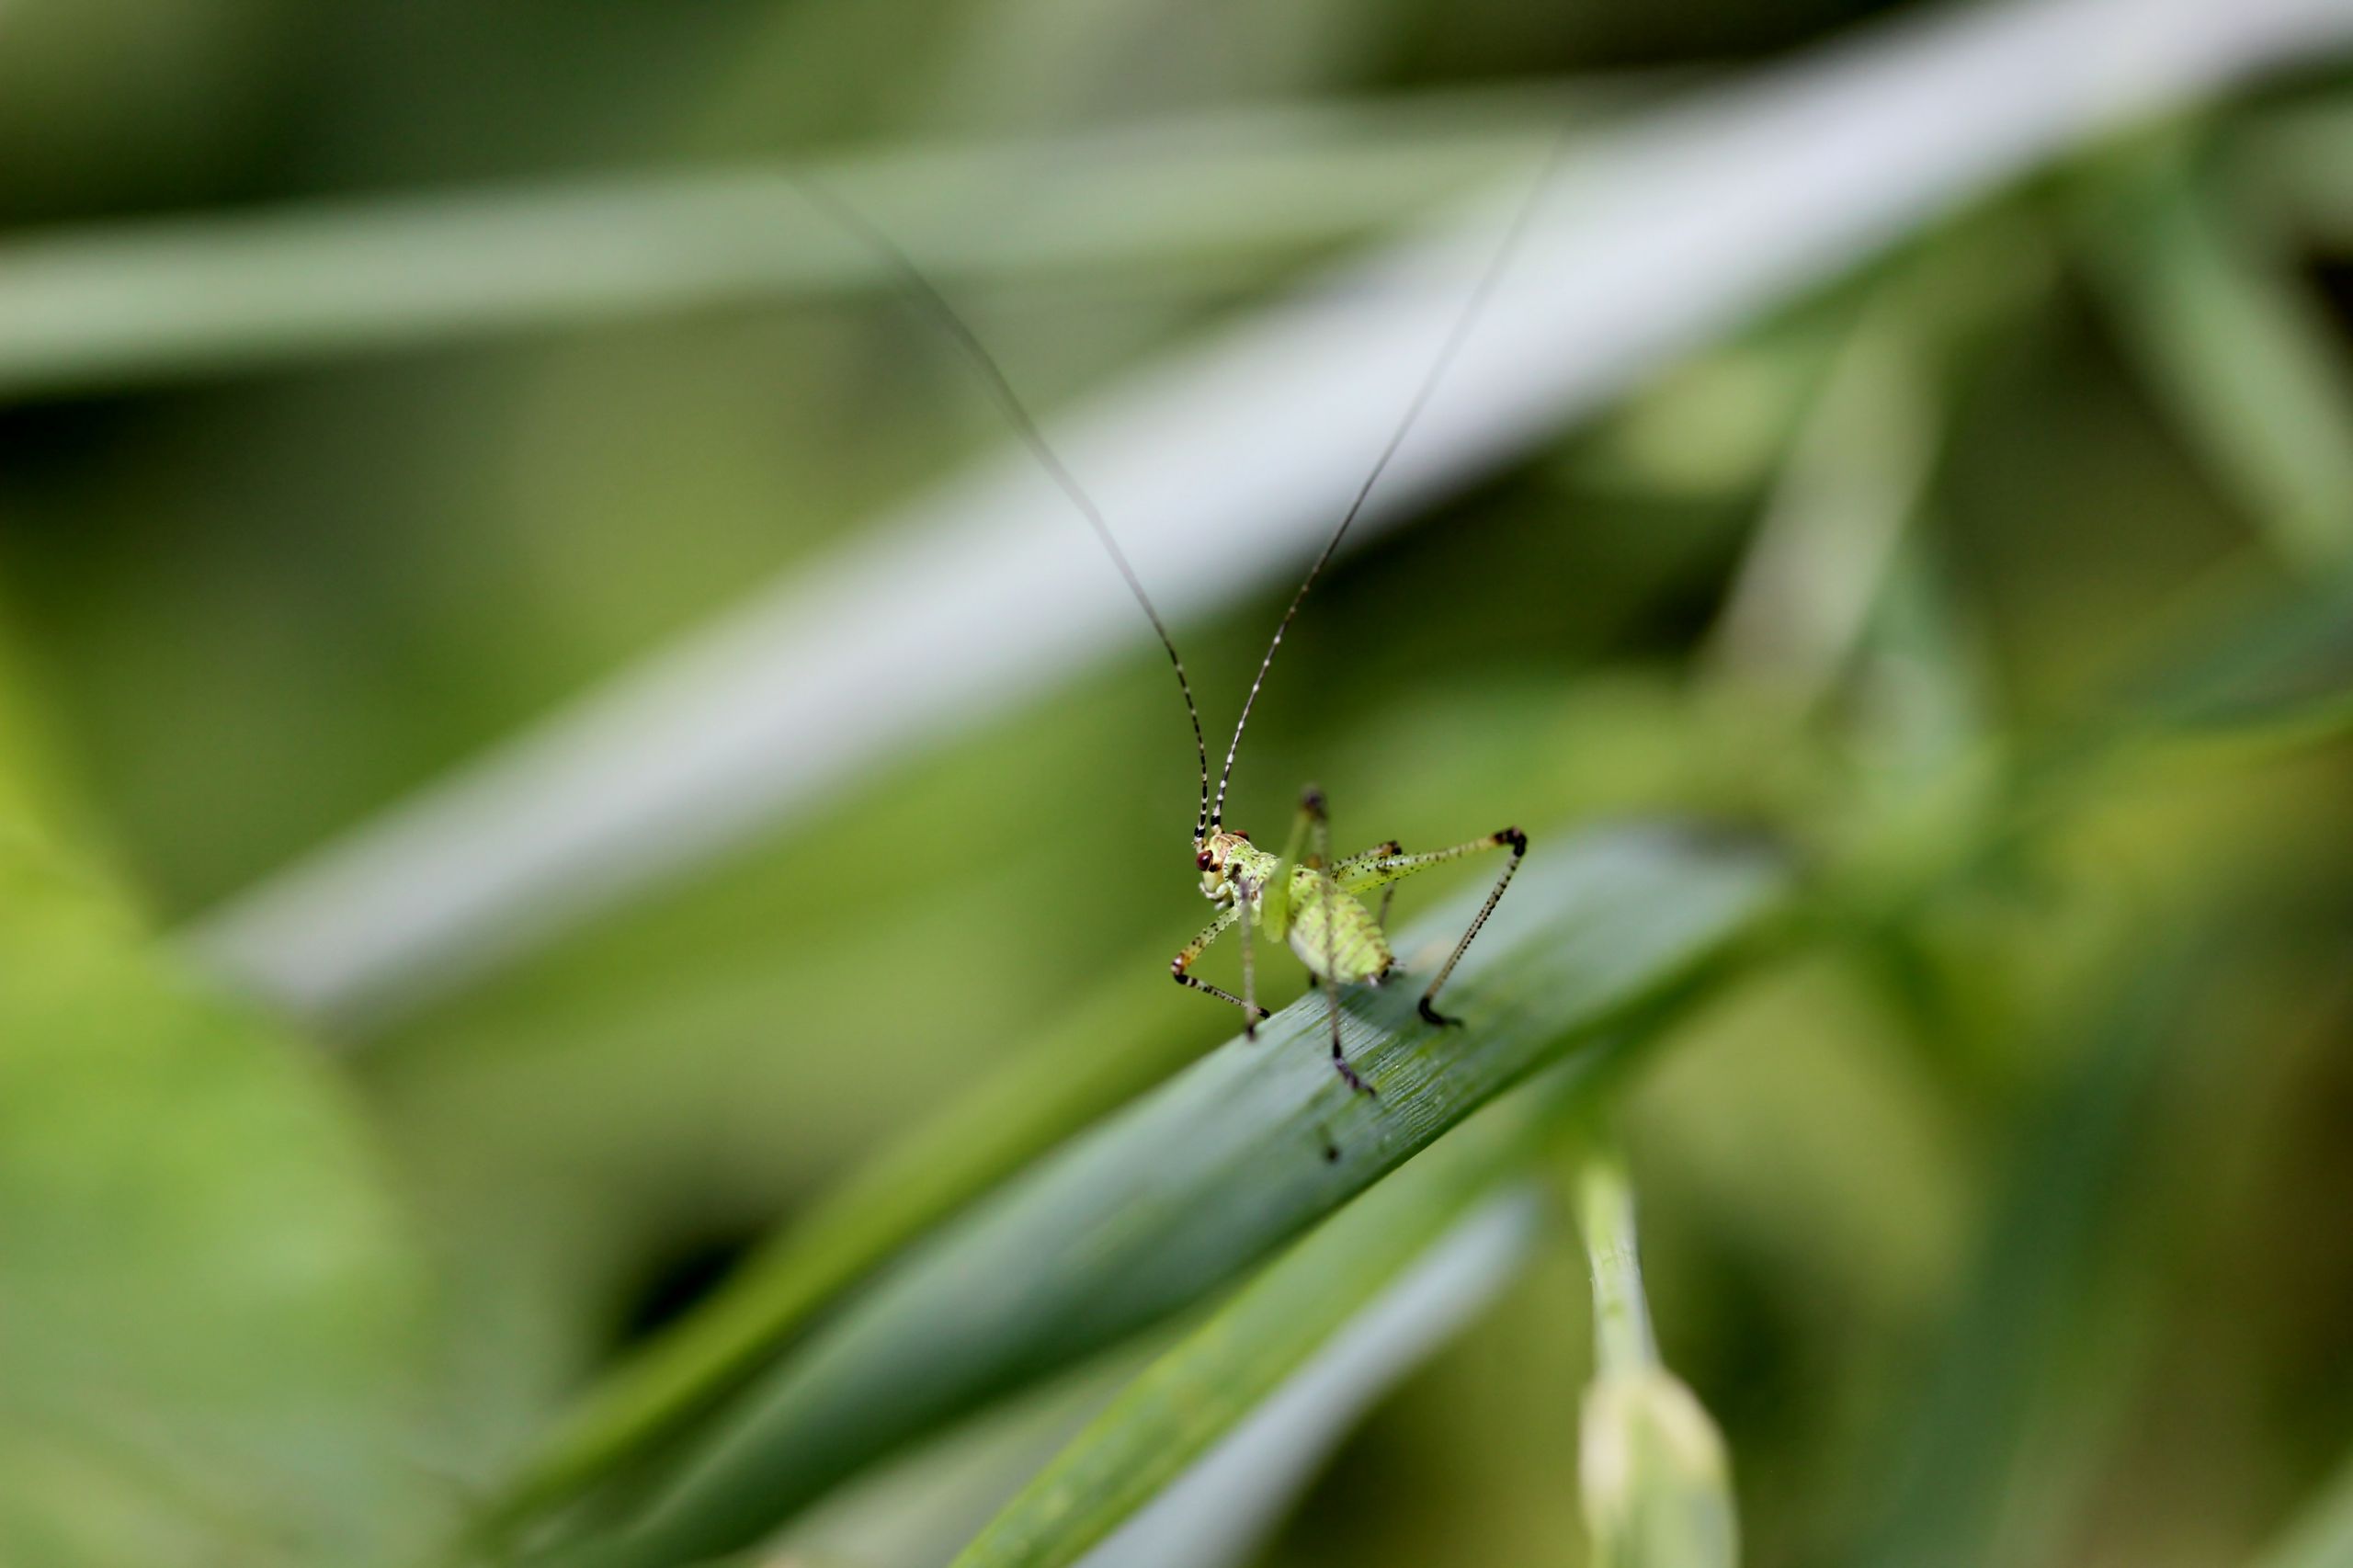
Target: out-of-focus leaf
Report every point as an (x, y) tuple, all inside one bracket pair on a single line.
[(190, 296), (209, 1336), (1836, 525), (2246, 360), (1683, 223), (2303, 157), (1211, 1172), (1852, 484), (1953, 1486), (1200, 1390), (2321, 1533), (2261, 669), (2258, 668)]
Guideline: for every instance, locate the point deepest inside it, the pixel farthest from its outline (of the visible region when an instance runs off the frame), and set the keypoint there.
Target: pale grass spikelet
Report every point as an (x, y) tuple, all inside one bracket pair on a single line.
[(1656, 1481), (1652, 1466)]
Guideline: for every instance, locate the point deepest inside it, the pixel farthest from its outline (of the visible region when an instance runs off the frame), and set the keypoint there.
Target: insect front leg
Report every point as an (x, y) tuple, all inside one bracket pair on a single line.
[(1375, 870), (1180, 966), (1318, 826)]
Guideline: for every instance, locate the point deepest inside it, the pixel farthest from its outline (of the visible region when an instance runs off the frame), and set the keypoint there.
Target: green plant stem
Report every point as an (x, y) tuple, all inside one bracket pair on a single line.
[(1621, 1317)]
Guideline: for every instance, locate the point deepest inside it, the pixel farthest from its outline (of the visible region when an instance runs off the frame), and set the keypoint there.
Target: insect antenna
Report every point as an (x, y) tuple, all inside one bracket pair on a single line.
[(1457, 336), (919, 292)]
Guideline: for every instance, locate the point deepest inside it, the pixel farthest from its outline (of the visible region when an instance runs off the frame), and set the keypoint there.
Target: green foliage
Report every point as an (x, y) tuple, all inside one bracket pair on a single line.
[(1196, 1394), (213, 1313), (2323, 1534), (382, 376), (2233, 345), (1206, 1175)]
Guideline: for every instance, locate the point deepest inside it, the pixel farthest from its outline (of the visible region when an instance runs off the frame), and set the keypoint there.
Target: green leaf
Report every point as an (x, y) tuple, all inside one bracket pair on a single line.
[(2275, 668), (1022, 1109), (2261, 669), (1212, 1172), (1217, 1375), (2320, 1535), (209, 1312), (2296, 158), (133, 304), (1959, 1481)]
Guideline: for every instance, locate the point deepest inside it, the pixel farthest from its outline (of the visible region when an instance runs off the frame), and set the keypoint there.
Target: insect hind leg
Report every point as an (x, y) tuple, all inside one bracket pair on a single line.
[(1427, 1005), (1384, 867)]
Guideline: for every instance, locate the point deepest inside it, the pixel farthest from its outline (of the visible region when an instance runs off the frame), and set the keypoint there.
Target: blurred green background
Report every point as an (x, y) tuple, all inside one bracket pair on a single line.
[(2003, 1219)]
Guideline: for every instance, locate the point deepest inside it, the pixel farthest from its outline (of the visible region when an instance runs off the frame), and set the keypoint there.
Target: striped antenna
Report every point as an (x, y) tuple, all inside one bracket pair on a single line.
[(921, 293), (1461, 333)]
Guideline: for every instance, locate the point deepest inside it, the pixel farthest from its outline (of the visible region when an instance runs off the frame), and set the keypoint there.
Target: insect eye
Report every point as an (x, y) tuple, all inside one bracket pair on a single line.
[(1204, 860)]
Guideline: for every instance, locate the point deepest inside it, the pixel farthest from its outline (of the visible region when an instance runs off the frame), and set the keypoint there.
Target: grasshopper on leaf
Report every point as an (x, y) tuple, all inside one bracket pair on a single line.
[(1302, 898)]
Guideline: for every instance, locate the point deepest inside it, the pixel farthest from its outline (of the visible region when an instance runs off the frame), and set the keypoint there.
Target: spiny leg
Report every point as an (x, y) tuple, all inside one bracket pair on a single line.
[(1251, 1011), (1374, 869), (1319, 860), (1179, 966), (1388, 893), (1518, 842), (1361, 870)]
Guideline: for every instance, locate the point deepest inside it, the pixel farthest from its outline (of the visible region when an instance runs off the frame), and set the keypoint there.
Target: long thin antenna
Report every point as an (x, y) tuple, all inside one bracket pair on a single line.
[(922, 293), (1456, 338)]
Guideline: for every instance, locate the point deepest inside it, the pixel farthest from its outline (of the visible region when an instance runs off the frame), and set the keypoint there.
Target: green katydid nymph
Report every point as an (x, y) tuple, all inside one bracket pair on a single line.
[(1300, 898)]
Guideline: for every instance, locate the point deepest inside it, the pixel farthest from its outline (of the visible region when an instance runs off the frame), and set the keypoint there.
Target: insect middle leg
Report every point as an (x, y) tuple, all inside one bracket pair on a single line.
[(1389, 847), (1375, 870), (1180, 966), (1318, 825), (1251, 1011)]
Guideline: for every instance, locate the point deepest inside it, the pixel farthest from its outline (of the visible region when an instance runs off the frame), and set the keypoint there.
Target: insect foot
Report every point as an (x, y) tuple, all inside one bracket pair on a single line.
[(1435, 1018), (1349, 1074)]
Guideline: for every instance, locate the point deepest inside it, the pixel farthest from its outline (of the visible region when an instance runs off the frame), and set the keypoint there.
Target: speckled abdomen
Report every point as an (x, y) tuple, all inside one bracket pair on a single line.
[(1334, 934)]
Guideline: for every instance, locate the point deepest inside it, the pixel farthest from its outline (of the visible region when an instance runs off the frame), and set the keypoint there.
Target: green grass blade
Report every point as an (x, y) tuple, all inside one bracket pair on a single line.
[(2264, 669), (1836, 520), (1235, 1496), (2258, 669), (917, 1510), (1956, 1489), (1194, 1395), (166, 299), (1212, 1172), (1065, 1081)]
